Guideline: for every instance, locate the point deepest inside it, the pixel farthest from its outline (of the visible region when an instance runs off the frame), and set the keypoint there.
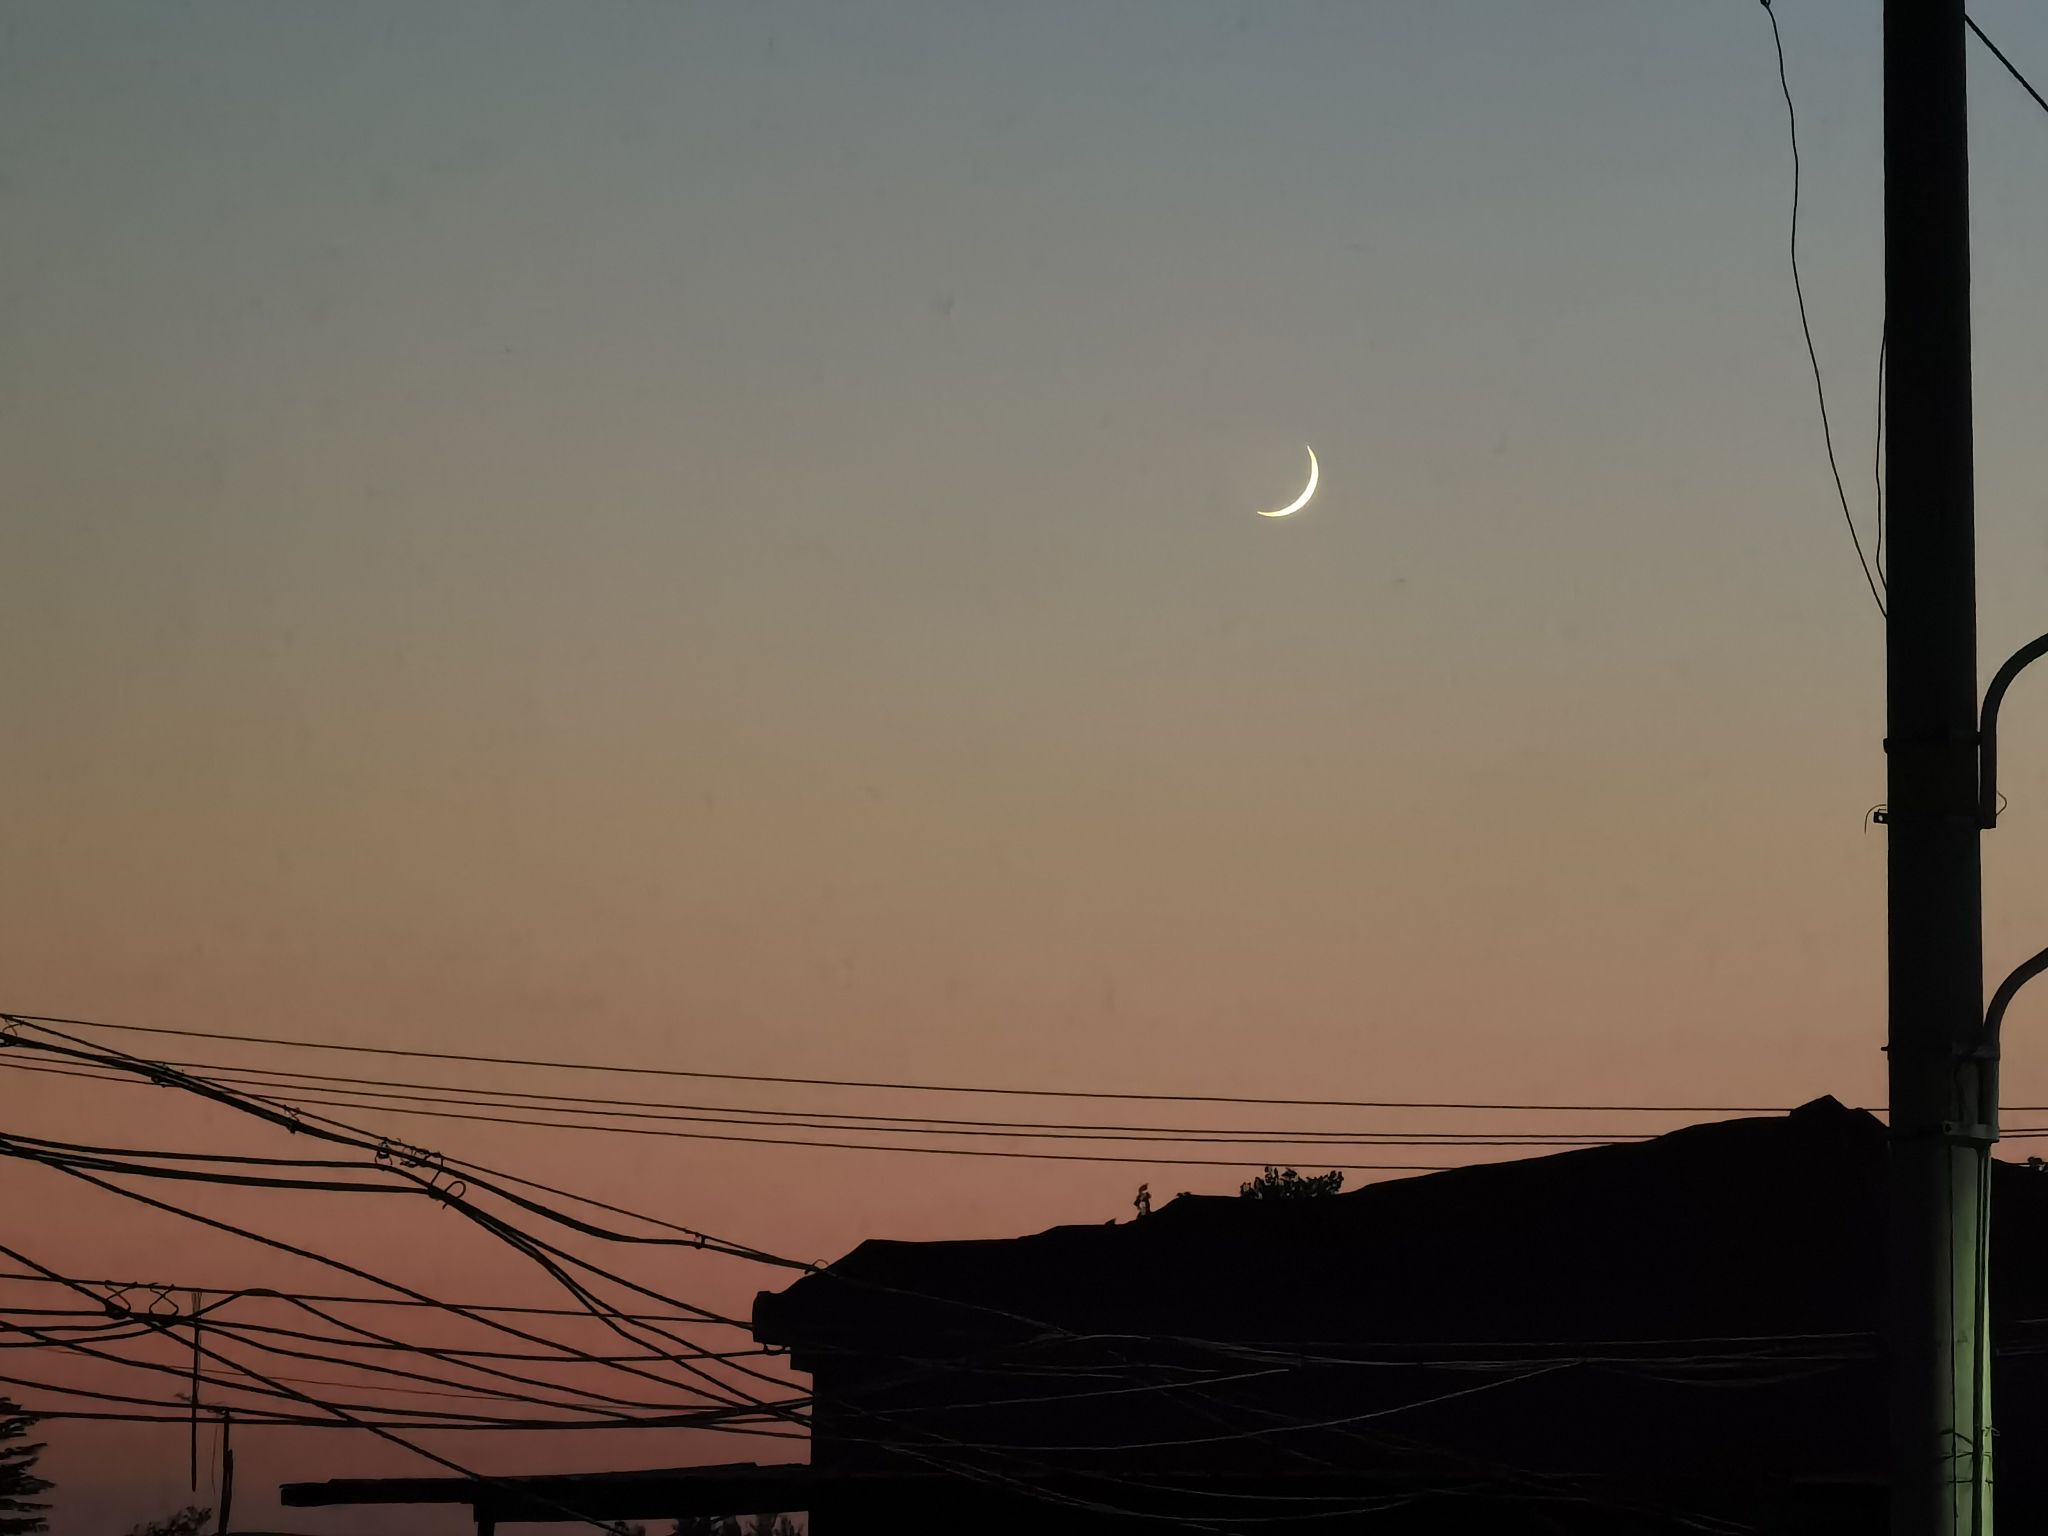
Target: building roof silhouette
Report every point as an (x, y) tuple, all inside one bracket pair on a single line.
[(1758, 1225), (1677, 1334), (1699, 1313)]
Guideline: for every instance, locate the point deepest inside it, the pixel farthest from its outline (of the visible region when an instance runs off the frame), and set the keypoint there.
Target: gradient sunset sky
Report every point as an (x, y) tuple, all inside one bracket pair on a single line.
[(720, 536)]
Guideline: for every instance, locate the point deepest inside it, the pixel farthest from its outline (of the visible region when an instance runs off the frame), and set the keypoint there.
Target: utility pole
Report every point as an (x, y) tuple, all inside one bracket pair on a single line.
[(227, 1471), (196, 1297), (1943, 1095)]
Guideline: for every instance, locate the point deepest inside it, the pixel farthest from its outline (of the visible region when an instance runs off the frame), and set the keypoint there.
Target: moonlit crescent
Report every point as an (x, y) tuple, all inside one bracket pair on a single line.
[(1294, 506)]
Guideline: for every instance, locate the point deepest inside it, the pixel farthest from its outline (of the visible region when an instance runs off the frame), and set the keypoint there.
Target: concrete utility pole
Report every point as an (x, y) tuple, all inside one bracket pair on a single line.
[(1944, 1107)]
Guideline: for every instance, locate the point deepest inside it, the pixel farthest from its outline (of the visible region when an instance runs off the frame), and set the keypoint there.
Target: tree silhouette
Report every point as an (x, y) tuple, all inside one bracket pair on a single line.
[(186, 1522), (1286, 1184), (20, 1509), (727, 1525)]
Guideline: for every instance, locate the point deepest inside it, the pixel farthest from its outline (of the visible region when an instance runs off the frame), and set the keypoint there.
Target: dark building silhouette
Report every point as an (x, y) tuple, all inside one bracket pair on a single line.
[(1675, 1334)]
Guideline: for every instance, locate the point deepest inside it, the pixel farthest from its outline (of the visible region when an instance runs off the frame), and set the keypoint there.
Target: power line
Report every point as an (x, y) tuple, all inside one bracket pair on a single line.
[(548, 1256), (1805, 326), (1291, 1426), (1877, 445), (532, 1247), (477, 1096), (343, 1266), (386, 1434), (292, 1119), (925, 1445), (330, 1299), (2010, 67), (408, 1415), (720, 1395), (394, 1157), (180, 1414), (1480, 1140), (853, 1146), (894, 1087), (551, 1424), (427, 1171), (394, 1102), (159, 1326), (403, 1164), (106, 1317), (658, 1415)]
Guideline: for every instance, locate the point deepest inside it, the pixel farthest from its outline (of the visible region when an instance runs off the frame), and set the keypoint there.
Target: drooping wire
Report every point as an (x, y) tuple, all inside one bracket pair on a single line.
[(2010, 67), (1871, 578), (292, 1121), (355, 1301), (382, 1089), (371, 1427), (425, 1172), (672, 1133), (354, 1271), (942, 1452), (339, 1410), (669, 1415), (154, 1325), (1877, 448), (543, 1254), (289, 1117), (40, 1020), (394, 1158)]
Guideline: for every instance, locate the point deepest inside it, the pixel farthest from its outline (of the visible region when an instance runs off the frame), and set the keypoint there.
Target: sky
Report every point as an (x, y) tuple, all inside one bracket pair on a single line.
[(720, 536)]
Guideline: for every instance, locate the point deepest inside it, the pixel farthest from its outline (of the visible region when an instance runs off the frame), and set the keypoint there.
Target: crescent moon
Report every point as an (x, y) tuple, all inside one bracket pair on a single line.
[(1315, 473)]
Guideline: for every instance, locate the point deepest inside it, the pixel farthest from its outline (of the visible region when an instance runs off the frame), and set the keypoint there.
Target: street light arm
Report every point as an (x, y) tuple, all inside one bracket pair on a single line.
[(1994, 1016), (1988, 1046), (1987, 728)]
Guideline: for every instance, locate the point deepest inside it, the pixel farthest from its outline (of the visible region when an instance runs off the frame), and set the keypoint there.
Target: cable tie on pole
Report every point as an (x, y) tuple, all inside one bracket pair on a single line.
[(1887, 817)]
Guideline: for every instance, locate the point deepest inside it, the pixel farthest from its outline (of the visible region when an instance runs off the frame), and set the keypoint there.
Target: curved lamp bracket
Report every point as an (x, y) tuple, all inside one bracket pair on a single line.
[(1994, 1016), (1987, 729), (1988, 1038)]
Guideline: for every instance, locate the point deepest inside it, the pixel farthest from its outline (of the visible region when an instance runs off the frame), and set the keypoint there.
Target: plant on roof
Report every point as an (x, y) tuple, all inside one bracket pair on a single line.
[(1286, 1184)]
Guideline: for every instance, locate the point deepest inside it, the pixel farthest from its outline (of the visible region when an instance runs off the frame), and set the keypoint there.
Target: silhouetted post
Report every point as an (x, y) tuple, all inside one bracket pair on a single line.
[(227, 1471), (195, 1298), (1943, 1099)]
